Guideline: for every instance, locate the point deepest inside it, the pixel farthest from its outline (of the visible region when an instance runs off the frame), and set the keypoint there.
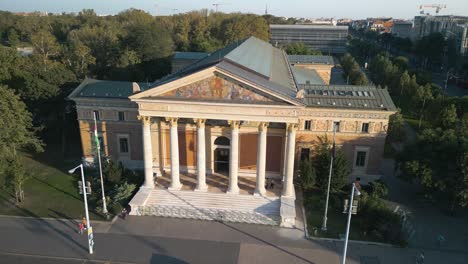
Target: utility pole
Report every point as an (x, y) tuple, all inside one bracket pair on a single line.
[(350, 211), (90, 229), (98, 147)]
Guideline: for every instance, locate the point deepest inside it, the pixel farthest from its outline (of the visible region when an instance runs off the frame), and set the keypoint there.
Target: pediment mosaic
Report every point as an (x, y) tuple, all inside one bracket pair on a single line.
[(217, 88)]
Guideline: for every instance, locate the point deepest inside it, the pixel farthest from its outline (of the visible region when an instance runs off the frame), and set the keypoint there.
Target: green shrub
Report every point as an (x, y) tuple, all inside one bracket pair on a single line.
[(378, 189), (308, 175), (379, 222)]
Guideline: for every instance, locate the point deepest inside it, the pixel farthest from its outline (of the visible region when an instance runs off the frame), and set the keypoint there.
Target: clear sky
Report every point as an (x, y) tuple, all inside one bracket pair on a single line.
[(288, 8)]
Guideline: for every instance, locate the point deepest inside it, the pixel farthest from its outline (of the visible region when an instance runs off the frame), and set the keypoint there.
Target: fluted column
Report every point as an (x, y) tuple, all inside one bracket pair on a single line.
[(261, 158), (175, 178), (147, 151), (201, 154), (288, 185), (234, 158)]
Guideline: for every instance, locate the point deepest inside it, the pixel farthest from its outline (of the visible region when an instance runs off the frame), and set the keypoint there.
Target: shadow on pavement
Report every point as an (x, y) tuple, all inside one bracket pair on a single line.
[(157, 259), (67, 236), (266, 242)]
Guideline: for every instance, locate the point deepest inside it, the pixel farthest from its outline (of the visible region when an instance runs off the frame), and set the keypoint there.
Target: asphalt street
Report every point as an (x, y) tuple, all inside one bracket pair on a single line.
[(166, 240)]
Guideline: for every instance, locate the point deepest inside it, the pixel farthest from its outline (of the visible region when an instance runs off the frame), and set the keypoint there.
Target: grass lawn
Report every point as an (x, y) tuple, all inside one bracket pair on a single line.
[(51, 192), (336, 223)]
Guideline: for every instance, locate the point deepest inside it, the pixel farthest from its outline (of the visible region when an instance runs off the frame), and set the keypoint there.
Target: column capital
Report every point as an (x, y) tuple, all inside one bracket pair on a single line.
[(200, 122), (235, 124), (262, 126), (144, 119), (172, 120), (292, 127)]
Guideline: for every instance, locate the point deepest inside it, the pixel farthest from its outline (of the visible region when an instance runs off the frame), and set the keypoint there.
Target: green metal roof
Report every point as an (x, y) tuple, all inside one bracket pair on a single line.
[(311, 59), (187, 55), (306, 76), (109, 89), (347, 96)]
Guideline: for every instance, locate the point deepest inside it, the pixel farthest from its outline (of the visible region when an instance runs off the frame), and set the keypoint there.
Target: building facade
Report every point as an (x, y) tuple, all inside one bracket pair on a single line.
[(403, 29), (222, 138), (328, 39)]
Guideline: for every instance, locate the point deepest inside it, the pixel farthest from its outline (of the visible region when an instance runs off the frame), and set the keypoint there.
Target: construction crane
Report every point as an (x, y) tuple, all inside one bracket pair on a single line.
[(216, 5), (436, 7)]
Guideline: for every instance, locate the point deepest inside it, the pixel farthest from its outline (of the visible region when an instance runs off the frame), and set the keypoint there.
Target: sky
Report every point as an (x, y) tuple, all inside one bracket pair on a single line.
[(289, 8)]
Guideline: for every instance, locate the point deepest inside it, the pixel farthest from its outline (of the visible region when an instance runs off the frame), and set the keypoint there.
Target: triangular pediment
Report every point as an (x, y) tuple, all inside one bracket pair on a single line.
[(211, 85), (219, 88)]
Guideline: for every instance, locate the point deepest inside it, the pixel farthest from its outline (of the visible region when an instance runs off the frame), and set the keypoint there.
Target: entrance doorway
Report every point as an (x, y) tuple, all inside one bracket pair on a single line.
[(221, 154), (221, 160)]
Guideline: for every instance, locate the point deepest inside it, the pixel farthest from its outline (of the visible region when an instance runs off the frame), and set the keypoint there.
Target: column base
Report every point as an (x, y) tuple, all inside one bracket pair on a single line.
[(233, 191), (260, 192), (147, 186), (175, 188), (201, 189)]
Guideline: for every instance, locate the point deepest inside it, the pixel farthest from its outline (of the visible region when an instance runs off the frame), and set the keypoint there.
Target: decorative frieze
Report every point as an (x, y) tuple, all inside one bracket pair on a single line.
[(344, 115)]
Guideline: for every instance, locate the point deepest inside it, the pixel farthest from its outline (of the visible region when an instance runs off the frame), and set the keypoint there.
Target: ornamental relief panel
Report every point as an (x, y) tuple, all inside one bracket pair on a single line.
[(216, 88), (322, 125), (377, 127), (350, 126)]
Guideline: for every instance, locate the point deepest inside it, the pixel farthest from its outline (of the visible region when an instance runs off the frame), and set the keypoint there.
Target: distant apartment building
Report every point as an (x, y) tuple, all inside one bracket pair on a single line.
[(325, 38), (402, 29), (454, 27)]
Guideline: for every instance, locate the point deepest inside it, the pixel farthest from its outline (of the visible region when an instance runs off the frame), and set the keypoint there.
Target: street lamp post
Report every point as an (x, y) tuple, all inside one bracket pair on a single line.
[(345, 248), (85, 201)]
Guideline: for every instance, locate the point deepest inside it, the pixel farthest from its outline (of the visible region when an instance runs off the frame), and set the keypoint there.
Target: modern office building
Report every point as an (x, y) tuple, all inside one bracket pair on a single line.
[(222, 138), (328, 39), (454, 27)]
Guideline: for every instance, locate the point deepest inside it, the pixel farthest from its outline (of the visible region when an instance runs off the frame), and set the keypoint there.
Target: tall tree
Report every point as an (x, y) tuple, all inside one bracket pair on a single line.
[(45, 45), (17, 130), (424, 94), (321, 161)]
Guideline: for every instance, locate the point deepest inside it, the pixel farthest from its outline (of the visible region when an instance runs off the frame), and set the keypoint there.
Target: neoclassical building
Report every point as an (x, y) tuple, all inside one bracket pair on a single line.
[(222, 138)]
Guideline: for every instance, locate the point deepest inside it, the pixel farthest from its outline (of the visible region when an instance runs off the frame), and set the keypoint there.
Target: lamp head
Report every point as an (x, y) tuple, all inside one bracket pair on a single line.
[(74, 169)]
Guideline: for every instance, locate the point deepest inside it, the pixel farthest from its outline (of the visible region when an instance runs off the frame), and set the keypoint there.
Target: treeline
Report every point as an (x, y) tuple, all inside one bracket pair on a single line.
[(429, 52), (438, 157), (352, 71), (129, 46)]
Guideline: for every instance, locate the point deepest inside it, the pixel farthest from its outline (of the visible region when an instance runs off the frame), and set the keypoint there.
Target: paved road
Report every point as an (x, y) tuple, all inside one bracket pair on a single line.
[(165, 240)]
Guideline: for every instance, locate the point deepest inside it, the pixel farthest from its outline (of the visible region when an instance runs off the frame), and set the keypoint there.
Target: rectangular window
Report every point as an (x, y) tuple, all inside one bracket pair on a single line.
[(361, 159), (121, 116), (96, 113), (123, 145), (307, 125), (336, 126), (365, 128), (305, 153)]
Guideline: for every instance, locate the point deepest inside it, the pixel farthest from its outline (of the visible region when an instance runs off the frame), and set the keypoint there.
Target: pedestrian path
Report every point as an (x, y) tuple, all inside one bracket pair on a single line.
[(211, 206)]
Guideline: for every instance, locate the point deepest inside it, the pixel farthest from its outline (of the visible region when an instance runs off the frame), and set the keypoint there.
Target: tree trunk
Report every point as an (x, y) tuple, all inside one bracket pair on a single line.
[(422, 112)]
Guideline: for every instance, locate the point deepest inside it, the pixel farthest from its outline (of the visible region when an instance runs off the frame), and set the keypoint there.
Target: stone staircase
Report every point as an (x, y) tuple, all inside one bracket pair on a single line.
[(209, 206)]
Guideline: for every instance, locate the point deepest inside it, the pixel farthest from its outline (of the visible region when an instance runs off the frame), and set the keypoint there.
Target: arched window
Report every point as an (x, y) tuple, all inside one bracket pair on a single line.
[(222, 141)]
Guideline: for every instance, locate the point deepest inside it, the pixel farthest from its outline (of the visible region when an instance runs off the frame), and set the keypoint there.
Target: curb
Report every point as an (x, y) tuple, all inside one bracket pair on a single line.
[(55, 219), (362, 242)]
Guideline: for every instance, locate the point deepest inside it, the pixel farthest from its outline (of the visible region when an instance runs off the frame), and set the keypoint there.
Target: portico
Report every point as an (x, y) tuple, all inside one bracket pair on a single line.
[(234, 127)]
